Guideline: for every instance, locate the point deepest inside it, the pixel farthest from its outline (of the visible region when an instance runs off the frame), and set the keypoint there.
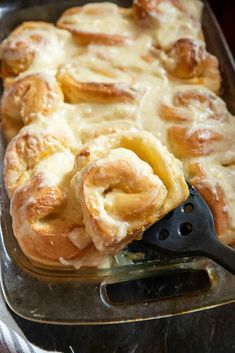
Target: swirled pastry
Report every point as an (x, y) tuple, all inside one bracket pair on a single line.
[(38, 168), (150, 12), (26, 153), (30, 43), (194, 104), (61, 205), (22, 99), (188, 60), (170, 20), (214, 179), (190, 142), (89, 104), (95, 81), (200, 123), (125, 182), (50, 235), (104, 23)]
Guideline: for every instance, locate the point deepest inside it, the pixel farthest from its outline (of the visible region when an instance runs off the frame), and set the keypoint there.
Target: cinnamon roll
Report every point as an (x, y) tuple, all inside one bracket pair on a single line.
[(198, 123), (30, 152), (86, 80), (49, 235), (38, 170), (168, 20), (22, 99), (188, 59), (216, 185), (149, 12), (80, 169), (189, 142), (194, 104), (30, 43), (125, 182), (104, 23)]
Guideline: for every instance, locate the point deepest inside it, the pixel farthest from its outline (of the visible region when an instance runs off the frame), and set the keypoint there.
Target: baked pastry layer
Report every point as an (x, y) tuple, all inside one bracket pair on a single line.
[(93, 108)]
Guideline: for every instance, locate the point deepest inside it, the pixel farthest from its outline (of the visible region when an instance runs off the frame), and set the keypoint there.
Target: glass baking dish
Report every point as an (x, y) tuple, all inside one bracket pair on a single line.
[(145, 289)]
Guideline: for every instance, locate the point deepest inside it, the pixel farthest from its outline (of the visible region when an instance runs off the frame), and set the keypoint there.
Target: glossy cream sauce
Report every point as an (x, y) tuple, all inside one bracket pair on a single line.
[(135, 65)]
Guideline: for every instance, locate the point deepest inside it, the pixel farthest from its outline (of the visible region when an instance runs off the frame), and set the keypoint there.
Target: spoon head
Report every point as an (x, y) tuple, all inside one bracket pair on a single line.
[(186, 230)]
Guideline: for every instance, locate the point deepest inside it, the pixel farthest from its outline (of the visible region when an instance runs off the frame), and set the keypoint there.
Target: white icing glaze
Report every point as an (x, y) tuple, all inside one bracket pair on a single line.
[(132, 64)]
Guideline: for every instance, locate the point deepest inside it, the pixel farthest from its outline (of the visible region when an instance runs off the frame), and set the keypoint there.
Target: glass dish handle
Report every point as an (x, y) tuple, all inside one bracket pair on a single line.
[(213, 296), (54, 300)]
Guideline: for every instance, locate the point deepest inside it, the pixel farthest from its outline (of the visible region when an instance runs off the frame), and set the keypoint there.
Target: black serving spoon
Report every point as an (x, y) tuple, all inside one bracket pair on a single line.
[(189, 230)]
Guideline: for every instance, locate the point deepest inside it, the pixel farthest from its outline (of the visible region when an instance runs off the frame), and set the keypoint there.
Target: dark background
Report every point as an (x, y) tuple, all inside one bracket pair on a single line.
[(225, 13), (211, 331)]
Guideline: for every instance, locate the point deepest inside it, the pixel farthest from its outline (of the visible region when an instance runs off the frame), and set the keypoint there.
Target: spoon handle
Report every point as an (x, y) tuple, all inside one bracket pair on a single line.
[(223, 254)]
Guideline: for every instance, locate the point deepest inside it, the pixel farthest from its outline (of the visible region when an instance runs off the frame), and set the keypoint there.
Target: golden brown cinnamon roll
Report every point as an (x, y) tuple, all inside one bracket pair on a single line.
[(215, 182), (30, 152), (38, 169), (49, 235), (189, 142), (30, 42), (188, 59), (21, 100), (125, 182), (105, 24), (148, 12), (202, 123), (120, 70), (194, 105), (168, 20), (86, 80)]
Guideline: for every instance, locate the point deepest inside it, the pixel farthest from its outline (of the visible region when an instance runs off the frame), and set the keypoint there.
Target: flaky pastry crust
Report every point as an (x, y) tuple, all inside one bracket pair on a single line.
[(217, 192), (125, 182), (99, 92), (25, 151), (74, 18), (187, 142), (169, 20), (82, 172), (24, 98), (44, 237), (148, 12), (86, 80), (188, 60), (23, 44), (199, 123)]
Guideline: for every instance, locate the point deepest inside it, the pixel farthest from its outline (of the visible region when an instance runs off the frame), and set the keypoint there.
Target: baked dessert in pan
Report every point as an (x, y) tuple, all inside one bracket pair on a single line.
[(98, 111)]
